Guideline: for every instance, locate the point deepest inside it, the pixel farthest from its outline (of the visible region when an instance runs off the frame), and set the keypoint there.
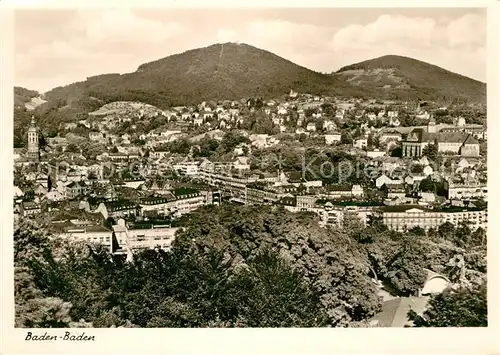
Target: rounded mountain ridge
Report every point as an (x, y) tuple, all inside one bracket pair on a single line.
[(238, 70)]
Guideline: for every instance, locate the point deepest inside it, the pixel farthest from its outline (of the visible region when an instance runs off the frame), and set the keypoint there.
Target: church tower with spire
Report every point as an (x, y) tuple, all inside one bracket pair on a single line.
[(33, 145)]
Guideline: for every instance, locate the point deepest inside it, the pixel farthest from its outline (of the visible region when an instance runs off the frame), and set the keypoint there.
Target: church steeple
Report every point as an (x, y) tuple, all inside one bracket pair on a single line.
[(33, 147)]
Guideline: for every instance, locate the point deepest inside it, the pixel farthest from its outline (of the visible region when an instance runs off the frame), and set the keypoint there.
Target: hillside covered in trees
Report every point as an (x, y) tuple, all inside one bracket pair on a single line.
[(231, 71), (217, 72), (402, 77)]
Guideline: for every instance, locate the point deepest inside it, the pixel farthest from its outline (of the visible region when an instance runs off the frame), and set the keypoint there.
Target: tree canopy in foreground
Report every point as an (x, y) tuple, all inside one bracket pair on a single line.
[(240, 266)]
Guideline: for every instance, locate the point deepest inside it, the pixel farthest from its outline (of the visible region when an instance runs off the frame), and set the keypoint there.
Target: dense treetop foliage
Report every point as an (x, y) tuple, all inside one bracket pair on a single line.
[(465, 308), (236, 266)]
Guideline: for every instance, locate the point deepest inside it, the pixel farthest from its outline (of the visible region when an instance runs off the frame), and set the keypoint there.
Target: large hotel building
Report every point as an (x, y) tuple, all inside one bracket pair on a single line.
[(406, 217)]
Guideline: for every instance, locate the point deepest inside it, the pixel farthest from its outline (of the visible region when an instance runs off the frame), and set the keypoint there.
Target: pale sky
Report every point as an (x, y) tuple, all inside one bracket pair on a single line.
[(57, 47)]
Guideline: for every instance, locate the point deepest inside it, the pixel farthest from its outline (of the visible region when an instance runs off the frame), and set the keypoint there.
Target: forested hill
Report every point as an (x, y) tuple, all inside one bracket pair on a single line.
[(23, 95), (235, 71), (218, 72), (407, 77)]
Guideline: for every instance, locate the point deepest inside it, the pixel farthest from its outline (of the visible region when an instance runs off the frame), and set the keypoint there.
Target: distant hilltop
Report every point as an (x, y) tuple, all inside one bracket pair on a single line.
[(233, 71), (398, 74)]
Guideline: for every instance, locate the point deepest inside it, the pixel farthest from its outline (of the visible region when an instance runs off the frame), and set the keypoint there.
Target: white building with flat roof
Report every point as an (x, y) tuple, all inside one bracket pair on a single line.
[(405, 217)]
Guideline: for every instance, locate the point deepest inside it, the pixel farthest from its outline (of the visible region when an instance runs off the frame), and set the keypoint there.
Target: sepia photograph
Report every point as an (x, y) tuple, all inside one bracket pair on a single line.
[(249, 168)]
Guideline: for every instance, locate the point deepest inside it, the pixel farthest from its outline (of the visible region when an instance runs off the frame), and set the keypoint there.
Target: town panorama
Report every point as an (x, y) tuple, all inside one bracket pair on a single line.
[(300, 209)]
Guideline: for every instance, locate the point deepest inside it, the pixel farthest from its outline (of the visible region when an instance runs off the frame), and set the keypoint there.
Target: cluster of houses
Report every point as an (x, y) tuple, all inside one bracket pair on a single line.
[(295, 114), (131, 195), (46, 184), (405, 205)]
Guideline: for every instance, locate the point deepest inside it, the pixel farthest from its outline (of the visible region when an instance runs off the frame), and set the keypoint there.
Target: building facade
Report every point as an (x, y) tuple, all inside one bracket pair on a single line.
[(405, 217), (464, 191), (447, 141), (187, 168), (233, 186), (121, 239), (188, 200)]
